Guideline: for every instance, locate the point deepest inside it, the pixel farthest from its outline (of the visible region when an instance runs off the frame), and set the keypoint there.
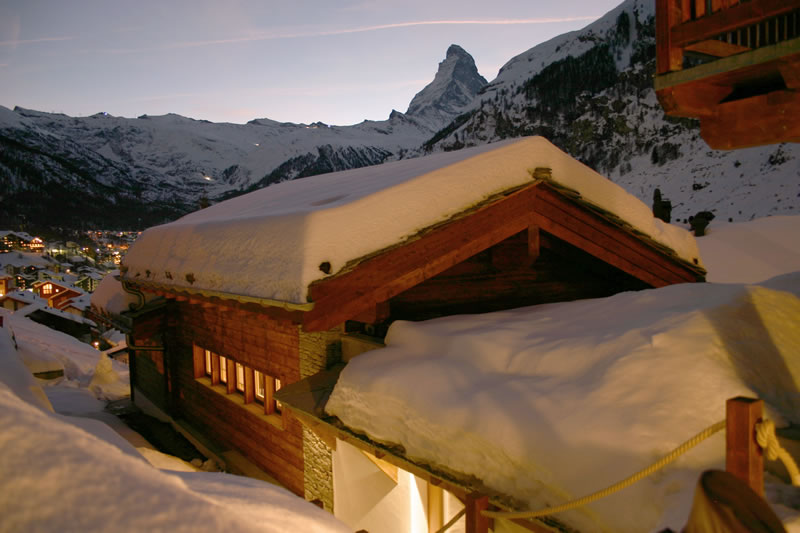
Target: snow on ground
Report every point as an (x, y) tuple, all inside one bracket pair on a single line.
[(76, 473), (38, 342), (270, 243), (552, 402), (751, 252), (56, 476)]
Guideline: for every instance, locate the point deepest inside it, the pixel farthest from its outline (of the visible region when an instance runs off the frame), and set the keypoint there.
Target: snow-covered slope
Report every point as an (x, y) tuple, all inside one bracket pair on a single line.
[(167, 164), (591, 93)]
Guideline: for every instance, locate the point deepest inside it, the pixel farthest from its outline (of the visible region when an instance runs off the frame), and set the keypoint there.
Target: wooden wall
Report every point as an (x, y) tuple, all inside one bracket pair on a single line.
[(262, 343), (504, 277), (147, 370)]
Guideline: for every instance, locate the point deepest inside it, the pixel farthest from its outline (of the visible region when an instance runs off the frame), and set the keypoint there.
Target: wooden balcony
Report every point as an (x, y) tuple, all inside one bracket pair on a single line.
[(733, 64)]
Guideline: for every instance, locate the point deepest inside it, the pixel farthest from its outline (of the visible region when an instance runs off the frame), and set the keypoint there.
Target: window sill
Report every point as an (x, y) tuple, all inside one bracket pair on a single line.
[(257, 409)]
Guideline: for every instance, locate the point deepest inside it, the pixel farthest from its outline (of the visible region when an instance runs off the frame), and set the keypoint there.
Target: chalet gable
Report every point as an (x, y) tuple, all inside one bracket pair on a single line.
[(351, 245), (362, 291)]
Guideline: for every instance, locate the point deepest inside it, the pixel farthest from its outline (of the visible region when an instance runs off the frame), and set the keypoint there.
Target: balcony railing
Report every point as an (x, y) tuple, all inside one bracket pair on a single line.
[(734, 64)]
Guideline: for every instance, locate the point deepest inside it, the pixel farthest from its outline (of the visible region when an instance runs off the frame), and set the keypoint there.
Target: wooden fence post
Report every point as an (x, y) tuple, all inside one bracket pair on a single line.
[(475, 521), (744, 457)]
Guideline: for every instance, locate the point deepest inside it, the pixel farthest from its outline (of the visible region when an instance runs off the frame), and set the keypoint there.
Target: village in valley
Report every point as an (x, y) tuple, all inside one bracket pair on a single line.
[(485, 337)]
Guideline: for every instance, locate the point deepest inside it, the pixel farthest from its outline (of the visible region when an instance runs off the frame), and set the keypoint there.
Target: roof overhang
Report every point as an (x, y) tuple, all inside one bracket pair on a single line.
[(306, 400)]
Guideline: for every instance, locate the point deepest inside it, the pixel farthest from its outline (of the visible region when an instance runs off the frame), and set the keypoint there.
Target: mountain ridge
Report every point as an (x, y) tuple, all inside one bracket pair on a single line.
[(588, 91)]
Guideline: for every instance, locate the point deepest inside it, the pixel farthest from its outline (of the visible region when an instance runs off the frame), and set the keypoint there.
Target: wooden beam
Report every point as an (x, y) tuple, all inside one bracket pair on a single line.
[(435, 508), (692, 100), (790, 72), (669, 56), (475, 521), (744, 457), (579, 227), (716, 48), (735, 69), (214, 369), (387, 468), (725, 20), (378, 313), (534, 243), (765, 119), (230, 375), (378, 279)]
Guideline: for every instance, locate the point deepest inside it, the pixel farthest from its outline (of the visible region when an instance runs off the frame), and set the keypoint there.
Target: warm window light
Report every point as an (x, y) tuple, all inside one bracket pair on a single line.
[(208, 362), (239, 377), (278, 405), (260, 390), (223, 369)]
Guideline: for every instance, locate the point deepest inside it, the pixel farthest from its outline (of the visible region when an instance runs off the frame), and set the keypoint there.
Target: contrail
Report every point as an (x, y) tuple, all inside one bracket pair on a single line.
[(379, 27), (31, 41)]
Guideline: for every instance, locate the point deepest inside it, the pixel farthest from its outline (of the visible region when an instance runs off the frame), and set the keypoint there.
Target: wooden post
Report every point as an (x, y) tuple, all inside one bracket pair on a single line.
[(533, 243), (435, 508), (668, 57), (476, 522), (744, 457)]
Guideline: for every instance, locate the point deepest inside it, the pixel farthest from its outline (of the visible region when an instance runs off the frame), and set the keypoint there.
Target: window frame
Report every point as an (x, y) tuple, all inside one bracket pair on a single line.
[(239, 383)]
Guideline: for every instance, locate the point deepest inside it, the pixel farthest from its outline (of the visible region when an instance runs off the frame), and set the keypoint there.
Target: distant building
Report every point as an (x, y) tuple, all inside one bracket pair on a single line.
[(19, 240)]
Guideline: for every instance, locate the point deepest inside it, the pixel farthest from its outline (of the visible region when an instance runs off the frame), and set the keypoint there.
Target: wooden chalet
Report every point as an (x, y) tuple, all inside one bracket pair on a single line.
[(57, 295), (732, 64), (212, 360)]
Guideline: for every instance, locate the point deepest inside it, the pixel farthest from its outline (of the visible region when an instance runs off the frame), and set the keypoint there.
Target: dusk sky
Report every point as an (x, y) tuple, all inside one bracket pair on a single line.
[(338, 62)]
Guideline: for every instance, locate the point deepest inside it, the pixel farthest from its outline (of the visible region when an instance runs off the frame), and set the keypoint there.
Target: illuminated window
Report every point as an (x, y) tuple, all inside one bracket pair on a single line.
[(208, 362), (223, 369), (47, 289), (277, 384), (228, 376), (239, 377), (260, 390)]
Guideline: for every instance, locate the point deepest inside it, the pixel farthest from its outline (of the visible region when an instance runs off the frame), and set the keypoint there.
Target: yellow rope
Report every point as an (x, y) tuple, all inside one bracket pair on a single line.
[(766, 438), (674, 454)]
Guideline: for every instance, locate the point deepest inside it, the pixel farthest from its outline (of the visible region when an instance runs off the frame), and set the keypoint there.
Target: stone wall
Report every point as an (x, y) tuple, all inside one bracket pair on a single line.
[(318, 351)]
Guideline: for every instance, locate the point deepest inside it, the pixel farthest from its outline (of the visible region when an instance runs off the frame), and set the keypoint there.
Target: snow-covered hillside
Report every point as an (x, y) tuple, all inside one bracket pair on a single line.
[(591, 93), (175, 161)]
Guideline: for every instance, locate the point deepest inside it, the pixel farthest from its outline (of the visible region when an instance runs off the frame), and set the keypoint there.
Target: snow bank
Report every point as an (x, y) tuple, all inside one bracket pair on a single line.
[(271, 242), (56, 476), (553, 402), (20, 380), (68, 473), (110, 297), (751, 252)]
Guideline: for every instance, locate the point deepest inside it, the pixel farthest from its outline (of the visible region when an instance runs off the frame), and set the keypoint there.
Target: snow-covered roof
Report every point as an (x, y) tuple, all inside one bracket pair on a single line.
[(21, 234), (109, 296), (23, 296), (270, 243), (544, 411)]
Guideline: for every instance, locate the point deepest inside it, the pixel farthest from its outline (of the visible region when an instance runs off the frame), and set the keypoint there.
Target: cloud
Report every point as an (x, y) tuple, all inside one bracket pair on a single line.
[(363, 29), (17, 42)]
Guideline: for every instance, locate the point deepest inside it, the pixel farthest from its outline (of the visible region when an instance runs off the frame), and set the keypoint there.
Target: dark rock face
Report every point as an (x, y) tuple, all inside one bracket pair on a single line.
[(455, 85)]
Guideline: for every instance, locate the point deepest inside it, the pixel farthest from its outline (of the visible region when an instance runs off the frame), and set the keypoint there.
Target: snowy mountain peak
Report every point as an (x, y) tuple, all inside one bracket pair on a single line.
[(453, 88)]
